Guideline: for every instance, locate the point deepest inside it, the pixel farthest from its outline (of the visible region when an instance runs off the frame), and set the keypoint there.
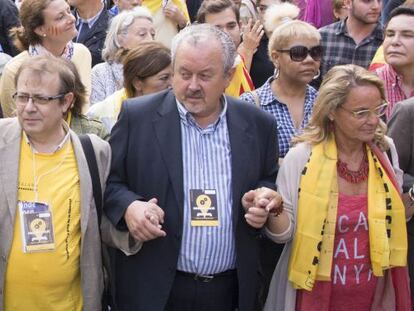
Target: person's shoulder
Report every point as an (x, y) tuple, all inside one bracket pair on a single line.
[(79, 48), (7, 7), (150, 102), (14, 64), (103, 21), (331, 27), (405, 106), (6, 122), (101, 67), (298, 153), (312, 91), (246, 110), (9, 127), (247, 97)]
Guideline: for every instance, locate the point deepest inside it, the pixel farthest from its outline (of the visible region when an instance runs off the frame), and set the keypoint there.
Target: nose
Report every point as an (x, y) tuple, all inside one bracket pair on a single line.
[(395, 39), (30, 106), (136, 2), (194, 85), (373, 118), (376, 4), (71, 18)]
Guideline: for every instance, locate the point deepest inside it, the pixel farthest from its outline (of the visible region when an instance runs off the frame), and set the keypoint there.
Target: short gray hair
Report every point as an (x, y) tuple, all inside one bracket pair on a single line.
[(204, 32), (118, 26)]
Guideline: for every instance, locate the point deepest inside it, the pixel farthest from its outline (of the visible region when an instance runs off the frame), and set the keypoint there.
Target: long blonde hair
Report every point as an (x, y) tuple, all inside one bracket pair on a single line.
[(337, 84)]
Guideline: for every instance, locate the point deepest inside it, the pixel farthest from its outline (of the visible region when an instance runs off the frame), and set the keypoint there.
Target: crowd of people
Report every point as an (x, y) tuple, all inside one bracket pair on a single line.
[(213, 155)]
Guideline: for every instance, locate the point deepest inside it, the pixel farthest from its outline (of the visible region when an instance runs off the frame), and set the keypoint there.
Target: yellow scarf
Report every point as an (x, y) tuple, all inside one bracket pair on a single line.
[(312, 249), (155, 5), (118, 103), (241, 81)]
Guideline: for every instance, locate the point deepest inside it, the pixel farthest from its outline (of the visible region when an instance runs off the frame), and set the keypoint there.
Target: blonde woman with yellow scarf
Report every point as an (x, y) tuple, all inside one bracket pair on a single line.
[(346, 240)]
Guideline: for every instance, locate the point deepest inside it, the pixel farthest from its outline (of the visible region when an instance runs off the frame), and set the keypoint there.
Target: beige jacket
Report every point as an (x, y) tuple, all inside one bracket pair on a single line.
[(90, 258)]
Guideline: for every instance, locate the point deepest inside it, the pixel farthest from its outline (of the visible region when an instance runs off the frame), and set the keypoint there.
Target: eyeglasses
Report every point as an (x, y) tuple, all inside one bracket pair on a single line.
[(38, 100), (365, 113), (298, 53)]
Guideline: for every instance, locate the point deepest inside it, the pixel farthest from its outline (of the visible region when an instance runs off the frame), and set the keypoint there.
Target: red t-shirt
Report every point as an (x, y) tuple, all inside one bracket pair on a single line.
[(352, 284)]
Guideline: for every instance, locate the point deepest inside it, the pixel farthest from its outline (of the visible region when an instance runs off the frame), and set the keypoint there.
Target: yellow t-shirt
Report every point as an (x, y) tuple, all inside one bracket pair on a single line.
[(47, 280)]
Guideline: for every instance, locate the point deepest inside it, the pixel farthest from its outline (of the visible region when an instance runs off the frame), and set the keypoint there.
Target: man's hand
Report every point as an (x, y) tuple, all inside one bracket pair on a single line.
[(259, 203), (144, 220)]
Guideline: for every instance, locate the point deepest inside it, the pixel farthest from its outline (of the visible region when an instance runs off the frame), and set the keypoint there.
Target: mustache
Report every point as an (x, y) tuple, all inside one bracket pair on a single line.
[(194, 94)]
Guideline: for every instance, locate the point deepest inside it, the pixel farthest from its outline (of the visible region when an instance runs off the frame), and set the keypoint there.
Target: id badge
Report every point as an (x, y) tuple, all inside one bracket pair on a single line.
[(37, 227), (204, 208)]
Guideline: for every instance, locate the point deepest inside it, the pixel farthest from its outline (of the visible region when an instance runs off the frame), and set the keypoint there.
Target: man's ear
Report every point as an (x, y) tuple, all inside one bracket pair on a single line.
[(67, 102)]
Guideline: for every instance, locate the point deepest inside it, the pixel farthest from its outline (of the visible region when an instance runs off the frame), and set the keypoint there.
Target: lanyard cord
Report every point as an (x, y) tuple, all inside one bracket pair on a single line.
[(37, 180)]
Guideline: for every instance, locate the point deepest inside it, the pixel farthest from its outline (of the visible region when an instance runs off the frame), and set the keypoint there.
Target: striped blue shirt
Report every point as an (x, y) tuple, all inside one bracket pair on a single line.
[(207, 165)]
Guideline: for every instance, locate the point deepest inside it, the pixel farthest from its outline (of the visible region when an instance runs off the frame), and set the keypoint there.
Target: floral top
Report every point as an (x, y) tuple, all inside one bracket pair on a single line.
[(285, 126), (106, 79)]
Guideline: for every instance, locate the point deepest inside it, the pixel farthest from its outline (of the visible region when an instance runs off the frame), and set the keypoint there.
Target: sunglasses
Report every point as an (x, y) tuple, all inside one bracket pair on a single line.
[(298, 53)]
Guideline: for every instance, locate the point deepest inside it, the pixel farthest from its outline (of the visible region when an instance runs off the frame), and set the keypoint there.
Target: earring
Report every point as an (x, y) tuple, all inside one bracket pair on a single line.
[(331, 125), (44, 35), (317, 75), (276, 73)]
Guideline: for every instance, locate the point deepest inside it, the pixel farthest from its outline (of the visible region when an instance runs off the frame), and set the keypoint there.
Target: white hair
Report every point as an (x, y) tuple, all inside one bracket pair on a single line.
[(119, 26), (205, 33), (278, 14)]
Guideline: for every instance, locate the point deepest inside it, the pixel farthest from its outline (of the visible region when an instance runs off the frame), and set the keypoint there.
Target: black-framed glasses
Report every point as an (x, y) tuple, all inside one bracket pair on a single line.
[(298, 53), (22, 99), (378, 111)]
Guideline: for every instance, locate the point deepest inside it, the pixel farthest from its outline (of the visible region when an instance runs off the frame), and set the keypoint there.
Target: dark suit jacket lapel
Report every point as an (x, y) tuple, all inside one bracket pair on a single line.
[(168, 133), (241, 150)]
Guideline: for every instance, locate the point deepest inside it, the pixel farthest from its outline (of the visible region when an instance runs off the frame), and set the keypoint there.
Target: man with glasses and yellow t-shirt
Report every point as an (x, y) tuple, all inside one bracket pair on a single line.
[(50, 247)]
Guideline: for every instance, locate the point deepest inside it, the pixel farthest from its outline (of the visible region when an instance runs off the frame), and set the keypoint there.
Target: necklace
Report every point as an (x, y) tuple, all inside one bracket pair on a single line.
[(354, 177)]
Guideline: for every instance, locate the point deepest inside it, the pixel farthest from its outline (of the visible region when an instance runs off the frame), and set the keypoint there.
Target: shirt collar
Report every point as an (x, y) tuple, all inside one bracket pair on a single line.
[(265, 93), (267, 97), (395, 78), (188, 119), (90, 21), (376, 33), (58, 147)]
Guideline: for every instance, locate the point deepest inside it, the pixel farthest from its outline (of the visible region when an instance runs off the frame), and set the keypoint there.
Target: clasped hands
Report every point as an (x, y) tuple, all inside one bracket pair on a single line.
[(259, 204), (145, 219)]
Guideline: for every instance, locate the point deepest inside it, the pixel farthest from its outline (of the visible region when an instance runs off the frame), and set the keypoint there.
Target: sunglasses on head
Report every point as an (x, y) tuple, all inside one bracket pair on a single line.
[(298, 53)]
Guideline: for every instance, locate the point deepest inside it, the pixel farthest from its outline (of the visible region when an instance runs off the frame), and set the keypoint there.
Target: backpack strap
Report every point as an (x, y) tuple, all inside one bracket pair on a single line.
[(93, 170)]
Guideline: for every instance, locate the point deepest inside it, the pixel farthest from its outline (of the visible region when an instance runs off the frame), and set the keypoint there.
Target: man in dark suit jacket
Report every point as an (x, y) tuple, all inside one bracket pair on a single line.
[(184, 164), (401, 130), (93, 33)]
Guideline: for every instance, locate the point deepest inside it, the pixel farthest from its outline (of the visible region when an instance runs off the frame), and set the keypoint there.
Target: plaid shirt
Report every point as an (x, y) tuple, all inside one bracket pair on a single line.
[(393, 87), (285, 127), (339, 48)]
